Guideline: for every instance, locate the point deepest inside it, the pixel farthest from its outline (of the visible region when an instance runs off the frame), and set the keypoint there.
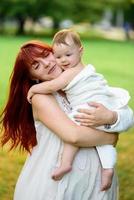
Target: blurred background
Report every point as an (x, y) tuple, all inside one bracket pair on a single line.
[(106, 18), (106, 28)]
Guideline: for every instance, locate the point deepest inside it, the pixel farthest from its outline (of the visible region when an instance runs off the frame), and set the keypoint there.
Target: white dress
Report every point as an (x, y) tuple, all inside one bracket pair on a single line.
[(82, 183)]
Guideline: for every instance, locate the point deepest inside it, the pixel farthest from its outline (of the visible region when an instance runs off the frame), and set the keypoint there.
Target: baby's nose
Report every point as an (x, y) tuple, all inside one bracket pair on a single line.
[(63, 59)]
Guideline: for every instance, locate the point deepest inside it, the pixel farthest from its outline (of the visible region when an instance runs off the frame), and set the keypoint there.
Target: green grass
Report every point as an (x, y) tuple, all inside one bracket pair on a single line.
[(11, 164), (113, 59)]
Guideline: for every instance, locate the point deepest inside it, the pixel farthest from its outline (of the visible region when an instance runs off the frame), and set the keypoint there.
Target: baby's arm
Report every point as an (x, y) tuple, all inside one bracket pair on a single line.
[(54, 85)]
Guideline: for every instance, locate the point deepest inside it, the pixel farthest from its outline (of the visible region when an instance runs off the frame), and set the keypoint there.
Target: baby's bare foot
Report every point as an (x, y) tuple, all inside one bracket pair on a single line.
[(106, 179), (60, 172)]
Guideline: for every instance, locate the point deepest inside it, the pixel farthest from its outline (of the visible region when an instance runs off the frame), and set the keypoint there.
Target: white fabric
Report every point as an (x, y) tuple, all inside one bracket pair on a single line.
[(89, 86), (125, 120), (108, 155), (82, 183)]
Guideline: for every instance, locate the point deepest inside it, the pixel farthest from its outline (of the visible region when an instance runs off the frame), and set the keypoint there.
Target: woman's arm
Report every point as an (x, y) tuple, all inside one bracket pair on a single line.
[(115, 121), (47, 110)]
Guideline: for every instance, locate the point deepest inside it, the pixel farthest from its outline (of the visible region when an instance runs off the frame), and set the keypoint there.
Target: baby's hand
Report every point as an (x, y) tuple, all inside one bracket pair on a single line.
[(30, 95)]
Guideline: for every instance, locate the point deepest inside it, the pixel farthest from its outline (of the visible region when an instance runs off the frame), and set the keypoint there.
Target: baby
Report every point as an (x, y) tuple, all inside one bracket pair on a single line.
[(82, 85)]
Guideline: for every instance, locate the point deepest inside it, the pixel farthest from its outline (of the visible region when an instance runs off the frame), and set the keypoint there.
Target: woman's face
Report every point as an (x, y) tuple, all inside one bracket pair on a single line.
[(45, 68)]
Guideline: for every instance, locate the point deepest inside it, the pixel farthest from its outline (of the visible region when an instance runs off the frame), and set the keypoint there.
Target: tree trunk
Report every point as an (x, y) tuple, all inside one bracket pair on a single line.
[(21, 22), (2, 20), (55, 26)]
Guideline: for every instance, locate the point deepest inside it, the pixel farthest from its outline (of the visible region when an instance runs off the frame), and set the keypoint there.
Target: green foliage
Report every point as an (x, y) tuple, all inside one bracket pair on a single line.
[(88, 11), (129, 13), (13, 8), (85, 11), (17, 9), (57, 9)]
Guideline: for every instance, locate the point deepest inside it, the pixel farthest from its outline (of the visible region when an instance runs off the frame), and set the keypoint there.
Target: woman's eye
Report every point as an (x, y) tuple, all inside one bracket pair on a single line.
[(68, 55), (45, 55), (36, 66)]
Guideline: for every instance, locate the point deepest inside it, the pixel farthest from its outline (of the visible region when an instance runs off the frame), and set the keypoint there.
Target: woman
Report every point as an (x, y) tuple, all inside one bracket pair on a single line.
[(42, 133)]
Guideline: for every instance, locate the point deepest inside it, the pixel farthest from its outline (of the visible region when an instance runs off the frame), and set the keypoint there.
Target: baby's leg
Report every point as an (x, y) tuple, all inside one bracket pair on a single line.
[(69, 151), (107, 155), (68, 155)]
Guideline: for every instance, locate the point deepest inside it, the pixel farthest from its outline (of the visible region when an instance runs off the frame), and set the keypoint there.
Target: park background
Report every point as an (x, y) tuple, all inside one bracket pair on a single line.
[(107, 31)]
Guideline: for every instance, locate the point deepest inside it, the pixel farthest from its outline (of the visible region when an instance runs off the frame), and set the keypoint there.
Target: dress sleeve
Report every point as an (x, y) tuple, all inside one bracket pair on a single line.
[(124, 122)]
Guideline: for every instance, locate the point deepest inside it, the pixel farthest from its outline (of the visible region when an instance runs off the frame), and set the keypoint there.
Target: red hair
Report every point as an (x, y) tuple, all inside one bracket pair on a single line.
[(17, 118)]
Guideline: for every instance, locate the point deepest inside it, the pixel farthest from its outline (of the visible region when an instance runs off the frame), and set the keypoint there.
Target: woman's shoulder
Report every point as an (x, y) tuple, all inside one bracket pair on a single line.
[(38, 100), (41, 103), (45, 103)]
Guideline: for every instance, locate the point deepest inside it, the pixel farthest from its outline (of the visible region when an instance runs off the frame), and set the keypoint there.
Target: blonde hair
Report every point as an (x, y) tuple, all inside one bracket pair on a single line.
[(60, 37)]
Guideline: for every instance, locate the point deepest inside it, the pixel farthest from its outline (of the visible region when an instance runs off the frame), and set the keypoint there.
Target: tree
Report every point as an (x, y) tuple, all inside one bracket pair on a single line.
[(78, 10), (129, 13), (87, 10), (57, 9), (18, 10)]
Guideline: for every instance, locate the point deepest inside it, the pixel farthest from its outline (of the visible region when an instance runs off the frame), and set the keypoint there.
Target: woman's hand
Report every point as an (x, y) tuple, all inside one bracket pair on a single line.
[(97, 116)]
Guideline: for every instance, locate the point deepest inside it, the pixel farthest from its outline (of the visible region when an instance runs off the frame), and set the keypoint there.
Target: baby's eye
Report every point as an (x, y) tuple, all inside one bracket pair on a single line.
[(58, 57), (69, 54)]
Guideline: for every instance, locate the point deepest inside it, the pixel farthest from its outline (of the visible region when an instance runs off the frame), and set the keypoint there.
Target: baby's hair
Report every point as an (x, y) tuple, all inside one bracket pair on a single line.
[(60, 37)]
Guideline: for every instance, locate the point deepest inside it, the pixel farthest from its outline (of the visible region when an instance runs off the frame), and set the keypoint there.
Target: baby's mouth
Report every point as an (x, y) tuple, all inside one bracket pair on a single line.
[(65, 66)]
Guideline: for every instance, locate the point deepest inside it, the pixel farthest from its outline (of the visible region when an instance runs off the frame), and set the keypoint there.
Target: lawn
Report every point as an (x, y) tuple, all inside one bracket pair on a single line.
[(112, 58)]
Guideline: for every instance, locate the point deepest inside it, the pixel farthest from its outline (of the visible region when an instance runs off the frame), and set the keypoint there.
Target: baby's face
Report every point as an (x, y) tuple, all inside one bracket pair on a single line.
[(67, 55)]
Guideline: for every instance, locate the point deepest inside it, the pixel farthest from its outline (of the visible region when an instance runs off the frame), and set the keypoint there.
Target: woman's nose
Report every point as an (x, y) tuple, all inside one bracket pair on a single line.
[(46, 63)]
